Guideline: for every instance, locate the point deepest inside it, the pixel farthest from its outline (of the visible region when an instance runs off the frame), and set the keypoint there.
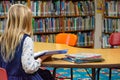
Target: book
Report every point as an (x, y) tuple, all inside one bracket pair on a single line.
[(83, 57), (45, 52), (83, 61)]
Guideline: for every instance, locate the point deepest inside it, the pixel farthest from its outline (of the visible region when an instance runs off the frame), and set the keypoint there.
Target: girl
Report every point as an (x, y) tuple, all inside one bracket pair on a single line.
[(16, 47)]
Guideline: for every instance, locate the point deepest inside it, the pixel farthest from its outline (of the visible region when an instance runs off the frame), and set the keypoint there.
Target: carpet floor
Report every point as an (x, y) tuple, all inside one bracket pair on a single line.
[(81, 74)]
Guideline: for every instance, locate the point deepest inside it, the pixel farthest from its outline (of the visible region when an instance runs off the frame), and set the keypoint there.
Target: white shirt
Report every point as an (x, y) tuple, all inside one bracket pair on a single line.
[(29, 64)]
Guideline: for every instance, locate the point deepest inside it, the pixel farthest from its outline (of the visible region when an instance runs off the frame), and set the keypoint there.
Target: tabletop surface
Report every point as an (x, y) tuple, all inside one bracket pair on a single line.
[(111, 56)]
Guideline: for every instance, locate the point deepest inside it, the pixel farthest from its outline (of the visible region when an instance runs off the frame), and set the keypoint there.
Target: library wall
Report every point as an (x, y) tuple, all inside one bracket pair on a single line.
[(88, 21), (76, 17), (53, 17)]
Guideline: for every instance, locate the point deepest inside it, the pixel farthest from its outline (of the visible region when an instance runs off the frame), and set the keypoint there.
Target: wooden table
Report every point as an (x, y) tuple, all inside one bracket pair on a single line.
[(111, 56)]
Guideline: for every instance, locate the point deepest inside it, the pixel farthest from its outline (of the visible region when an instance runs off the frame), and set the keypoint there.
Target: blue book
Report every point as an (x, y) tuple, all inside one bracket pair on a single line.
[(83, 61), (46, 52)]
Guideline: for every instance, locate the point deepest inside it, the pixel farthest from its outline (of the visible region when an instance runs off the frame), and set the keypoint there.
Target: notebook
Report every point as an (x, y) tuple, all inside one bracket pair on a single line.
[(45, 52)]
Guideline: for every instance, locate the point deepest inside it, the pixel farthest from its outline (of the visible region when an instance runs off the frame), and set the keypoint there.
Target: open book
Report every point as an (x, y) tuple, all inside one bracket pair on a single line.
[(45, 52)]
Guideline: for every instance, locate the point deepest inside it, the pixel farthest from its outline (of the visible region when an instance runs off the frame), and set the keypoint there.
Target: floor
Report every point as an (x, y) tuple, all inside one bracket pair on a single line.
[(81, 74)]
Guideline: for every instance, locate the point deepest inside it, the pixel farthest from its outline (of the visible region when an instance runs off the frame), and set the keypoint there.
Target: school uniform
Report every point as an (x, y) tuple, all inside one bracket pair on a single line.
[(15, 69)]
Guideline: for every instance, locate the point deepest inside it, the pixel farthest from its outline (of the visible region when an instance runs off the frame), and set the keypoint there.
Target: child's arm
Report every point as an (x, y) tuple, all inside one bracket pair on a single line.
[(29, 64)]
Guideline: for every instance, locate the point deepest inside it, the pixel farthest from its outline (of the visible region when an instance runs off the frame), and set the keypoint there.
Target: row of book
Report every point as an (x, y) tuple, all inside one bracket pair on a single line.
[(111, 25), (105, 43), (58, 7), (44, 38), (5, 5), (84, 39), (60, 24), (55, 25), (62, 7), (112, 8)]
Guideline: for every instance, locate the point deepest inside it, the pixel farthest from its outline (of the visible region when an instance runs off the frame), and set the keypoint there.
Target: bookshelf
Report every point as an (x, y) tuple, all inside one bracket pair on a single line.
[(64, 16), (51, 17), (4, 6), (111, 20)]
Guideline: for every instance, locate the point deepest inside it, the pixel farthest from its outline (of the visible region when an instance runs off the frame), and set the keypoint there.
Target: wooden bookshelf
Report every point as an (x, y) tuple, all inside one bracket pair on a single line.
[(61, 16), (53, 17), (112, 17), (88, 46), (2, 17), (111, 20), (39, 33)]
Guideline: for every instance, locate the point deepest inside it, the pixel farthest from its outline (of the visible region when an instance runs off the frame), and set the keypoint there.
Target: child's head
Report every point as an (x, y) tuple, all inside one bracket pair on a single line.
[(19, 22), (19, 19)]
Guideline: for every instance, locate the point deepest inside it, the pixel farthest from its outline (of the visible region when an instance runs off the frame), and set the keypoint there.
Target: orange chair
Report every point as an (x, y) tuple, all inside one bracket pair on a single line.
[(3, 74), (69, 39), (66, 38)]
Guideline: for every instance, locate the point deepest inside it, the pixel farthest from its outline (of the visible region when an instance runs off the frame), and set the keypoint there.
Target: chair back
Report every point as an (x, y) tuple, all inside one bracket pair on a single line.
[(114, 39), (3, 74), (66, 38)]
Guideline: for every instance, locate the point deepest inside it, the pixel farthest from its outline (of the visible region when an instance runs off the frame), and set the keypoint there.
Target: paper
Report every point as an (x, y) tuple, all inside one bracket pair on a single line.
[(45, 52)]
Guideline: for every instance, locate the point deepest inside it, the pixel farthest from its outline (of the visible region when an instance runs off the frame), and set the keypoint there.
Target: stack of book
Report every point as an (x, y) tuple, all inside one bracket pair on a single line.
[(84, 57)]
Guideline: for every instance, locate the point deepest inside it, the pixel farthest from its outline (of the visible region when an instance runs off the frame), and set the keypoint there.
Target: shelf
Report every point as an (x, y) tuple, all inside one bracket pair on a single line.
[(36, 33), (40, 33), (110, 0), (108, 32), (46, 17), (60, 16), (80, 15), (2, 17), (81, 31), (91, 46), (114, 17)]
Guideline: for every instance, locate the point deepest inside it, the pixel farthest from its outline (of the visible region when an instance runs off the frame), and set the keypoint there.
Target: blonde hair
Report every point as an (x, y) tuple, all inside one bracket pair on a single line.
[(19, 22)]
